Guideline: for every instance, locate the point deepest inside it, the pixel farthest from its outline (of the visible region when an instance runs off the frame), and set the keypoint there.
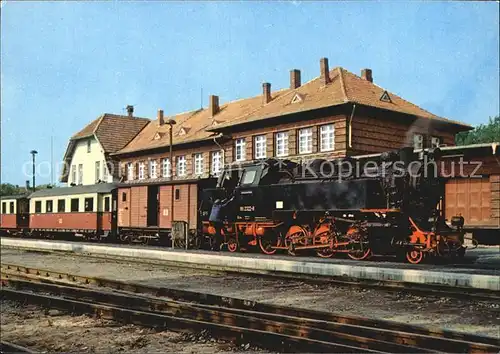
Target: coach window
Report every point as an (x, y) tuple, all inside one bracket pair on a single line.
[(61, 206), (12, 207), (106, 204), (89, 204), (48, 206), (38, 206), (177, 194), (124, 197), (75, 203), (4, 208)]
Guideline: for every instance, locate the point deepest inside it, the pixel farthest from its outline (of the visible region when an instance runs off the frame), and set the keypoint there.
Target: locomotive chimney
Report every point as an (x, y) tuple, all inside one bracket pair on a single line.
[(130, 110), (266, 92), (324, 71), (294, 79), (213, 105), (366, 74), (161, 120)]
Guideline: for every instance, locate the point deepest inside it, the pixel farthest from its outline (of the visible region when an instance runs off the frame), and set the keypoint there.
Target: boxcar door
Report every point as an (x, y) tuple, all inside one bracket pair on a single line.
[(124, 207), (152, 212)]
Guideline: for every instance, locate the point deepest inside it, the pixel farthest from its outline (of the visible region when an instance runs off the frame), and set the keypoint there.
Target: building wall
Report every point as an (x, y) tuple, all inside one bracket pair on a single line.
[(372, 135), (88, 160), (368, 135)]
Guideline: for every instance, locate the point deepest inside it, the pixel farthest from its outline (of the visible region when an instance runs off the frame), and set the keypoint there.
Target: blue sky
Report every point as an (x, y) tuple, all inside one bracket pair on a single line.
[(65, 63)]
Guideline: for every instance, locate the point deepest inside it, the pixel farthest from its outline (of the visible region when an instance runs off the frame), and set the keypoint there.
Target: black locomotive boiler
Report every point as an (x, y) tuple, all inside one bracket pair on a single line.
[(383, 204)]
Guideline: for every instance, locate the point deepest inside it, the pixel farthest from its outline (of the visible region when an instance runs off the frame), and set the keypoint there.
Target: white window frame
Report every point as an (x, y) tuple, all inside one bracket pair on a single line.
[(167, 168), (281, 144), (217, 162), (435, 141), (80, 173), (418, 141), (141, 170), (259, 146), (181, 166), (240, 149), (327, 137), (305, 141), (198, 164), (153, 172), (97, 170), (104, 171), (130, 171), (73, 174)]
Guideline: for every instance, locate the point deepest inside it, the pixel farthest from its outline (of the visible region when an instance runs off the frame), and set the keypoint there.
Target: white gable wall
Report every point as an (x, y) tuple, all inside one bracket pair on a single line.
[(87, 160)]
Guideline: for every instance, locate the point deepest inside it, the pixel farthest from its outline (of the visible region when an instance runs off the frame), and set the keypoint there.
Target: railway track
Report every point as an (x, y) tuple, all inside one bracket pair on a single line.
[(438, 290), (268, 326)]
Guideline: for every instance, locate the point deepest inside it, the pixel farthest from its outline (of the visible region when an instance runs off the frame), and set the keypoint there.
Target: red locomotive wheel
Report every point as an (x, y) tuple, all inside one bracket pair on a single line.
[(232, 245), (415, 256), (265, 244), (325, 253), (360, 255)]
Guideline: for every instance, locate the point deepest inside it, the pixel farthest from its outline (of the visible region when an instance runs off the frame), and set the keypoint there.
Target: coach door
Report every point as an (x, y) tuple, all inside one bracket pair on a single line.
[(152, 206)]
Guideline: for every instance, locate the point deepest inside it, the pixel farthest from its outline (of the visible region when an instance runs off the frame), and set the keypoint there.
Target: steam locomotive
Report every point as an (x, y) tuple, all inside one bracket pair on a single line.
[(384, 204)]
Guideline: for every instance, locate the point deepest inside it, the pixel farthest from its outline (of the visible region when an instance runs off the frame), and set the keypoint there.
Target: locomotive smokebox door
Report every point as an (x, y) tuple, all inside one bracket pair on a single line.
[(179, 234)]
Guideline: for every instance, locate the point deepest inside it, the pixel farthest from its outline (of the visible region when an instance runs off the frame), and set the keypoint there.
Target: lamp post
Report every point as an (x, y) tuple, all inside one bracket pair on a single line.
[(33, 153), (171, 124)]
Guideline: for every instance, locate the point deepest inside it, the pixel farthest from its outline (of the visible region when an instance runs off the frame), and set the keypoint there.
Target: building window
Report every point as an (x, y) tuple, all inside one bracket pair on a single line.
[(4, 208), (239, 149), (107, 203), (327, 137), (38, 206), (166, 167), (48, 206), (73, 174), (89, 146), (305, 141), (152, 169), (130, 171), (181, 166), (97, 171), (260, 146), (75, 205), (104, 171), (217, 162), (141, 170), (418, 141), (61, 206), (80, 174), (198, 164), (281, 144), (435, 141), (89, 204)]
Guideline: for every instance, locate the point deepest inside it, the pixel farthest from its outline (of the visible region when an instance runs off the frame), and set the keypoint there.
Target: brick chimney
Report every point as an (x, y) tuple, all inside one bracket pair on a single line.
[(161, 120), (324, 71), (366, 74), (213, 105), (266, 92), (294, 79), (130, 110)]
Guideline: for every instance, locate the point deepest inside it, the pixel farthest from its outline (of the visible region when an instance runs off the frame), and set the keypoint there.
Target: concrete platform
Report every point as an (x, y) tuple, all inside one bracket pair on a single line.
[(449, 275)]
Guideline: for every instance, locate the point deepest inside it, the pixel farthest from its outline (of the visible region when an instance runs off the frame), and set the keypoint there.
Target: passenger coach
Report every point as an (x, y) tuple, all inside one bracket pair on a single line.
[(14, 215), (83, 211)]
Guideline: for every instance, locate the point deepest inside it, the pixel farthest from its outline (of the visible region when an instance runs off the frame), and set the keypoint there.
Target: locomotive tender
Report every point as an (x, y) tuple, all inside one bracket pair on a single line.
[(383, 204), (387, 204)]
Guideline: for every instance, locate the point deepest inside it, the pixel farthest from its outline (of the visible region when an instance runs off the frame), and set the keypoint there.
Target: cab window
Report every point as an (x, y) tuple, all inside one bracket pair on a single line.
[(248, 177)]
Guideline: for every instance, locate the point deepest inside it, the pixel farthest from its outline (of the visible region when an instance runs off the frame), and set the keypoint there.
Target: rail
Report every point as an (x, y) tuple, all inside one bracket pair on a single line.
[(269, 326)]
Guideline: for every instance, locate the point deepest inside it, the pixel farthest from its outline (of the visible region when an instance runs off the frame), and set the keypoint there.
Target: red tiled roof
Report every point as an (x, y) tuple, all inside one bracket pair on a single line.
[(344, 87)]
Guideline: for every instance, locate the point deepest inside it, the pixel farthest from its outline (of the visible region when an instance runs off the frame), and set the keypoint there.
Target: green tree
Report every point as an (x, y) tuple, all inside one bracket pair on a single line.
[(483, 133), (10, 189)]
